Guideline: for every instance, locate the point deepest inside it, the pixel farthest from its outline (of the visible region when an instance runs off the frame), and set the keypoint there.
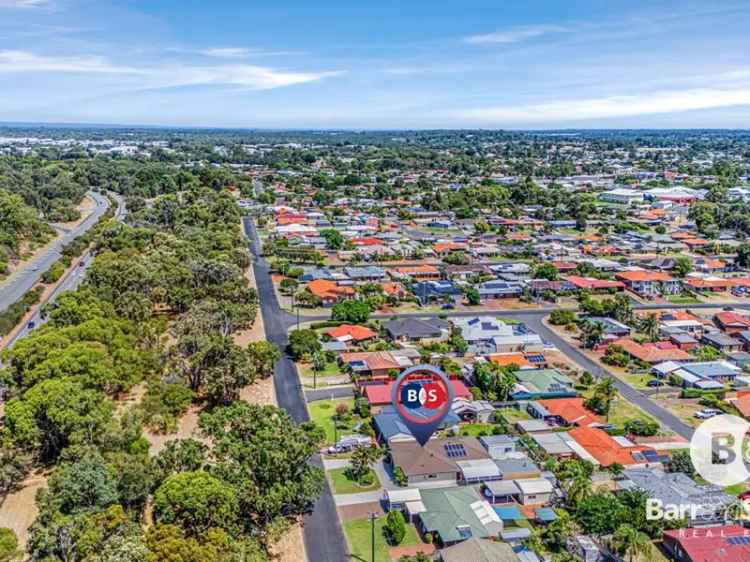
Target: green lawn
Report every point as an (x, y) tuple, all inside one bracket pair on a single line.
[(474, 429), (330, 370), (322, 412), (512, 415), (342, 484), (680, 299), (358, 535)]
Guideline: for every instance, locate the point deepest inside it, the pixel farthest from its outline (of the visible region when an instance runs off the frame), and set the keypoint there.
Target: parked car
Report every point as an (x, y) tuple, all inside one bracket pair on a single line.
[(349, 442), (706, 413), (655, 382)]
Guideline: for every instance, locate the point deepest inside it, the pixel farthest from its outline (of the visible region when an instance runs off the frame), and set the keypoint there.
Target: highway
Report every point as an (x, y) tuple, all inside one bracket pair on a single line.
[(21, 281), (324, 538), (71, 280)]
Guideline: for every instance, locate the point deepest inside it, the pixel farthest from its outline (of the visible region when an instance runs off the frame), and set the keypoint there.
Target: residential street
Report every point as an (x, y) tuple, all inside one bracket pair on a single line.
[(324, 538)]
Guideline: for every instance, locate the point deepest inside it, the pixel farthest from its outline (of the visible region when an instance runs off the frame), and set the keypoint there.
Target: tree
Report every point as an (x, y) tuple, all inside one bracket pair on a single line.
[(602, 397), (743, 256), (600, 513), (197, 502), (630, 542), (334, 239), (591, 333), (265, 456), (562, 317), (707, 353), (575, 480), (81, 486), (473, 298), (650, 326), (362, 460), (680, 461), (303, 343), (263, 356), (395, 526), (352, 311), (8, 545), (178, 455), (682, 266), (546, 271)]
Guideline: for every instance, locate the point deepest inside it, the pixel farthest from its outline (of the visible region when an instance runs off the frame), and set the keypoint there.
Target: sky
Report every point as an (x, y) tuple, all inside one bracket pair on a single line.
[(378, 64)]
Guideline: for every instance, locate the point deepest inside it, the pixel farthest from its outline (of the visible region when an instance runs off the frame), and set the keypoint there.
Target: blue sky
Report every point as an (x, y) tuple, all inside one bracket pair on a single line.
[(377, 64)]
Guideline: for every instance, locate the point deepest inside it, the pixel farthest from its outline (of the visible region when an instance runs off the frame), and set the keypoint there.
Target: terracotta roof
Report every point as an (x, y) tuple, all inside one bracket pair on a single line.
[(417, 269), (354, 332), (656, 276), (698, 283), (572, 411), (592, 283), (506, 359), (326, 289), (604, 448), (650, 353), (732, 320)]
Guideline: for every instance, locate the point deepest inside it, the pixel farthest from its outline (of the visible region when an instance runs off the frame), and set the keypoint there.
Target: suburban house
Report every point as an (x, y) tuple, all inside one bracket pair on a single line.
[(652, 353), (486, 335), (380, 394), (379, 364), (329, 292), (705, 375), (677, 488), (722, 342), (705, 544), (419, 272), (480, 411), (436, 291), (607, 450), (650, 283), (436, 461), (593, 284), (498, 446), (526, 491), (365, 273), (534, 384), (556, 444), (479, 550), (563, 411), (350, 334), (423, 330), (454, 515), (497, 289), (731, 322)]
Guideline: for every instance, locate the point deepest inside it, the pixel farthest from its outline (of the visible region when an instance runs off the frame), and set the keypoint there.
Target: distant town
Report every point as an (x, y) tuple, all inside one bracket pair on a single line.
[(202, 329)]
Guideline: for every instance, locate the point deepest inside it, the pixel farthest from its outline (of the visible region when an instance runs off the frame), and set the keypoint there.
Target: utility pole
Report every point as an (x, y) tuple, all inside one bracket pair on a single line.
[(372, 530)]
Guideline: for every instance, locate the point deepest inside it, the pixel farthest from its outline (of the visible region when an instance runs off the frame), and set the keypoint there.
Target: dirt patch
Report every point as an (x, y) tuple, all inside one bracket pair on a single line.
[(85, 207), (360, 510), (397, 552), (18, 511), (187, 427), (291, 547)]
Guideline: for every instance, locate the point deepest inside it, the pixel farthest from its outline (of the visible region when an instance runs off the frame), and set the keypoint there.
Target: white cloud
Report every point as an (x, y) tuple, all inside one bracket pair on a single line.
[(170, 76), (613, 106), (23, 61), (23, 3), (516, 34), (226, 52)]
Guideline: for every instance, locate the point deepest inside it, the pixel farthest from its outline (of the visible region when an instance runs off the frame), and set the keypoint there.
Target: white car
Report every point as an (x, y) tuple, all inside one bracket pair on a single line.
[(706, 414)]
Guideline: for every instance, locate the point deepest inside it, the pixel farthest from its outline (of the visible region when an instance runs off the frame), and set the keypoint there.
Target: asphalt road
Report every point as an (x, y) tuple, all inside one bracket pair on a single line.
[(13, 288), (324, 538), (662, 415), (70, 282)]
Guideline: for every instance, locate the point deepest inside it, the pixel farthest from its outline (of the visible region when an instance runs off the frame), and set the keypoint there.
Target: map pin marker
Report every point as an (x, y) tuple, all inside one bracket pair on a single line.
[(422, 397)]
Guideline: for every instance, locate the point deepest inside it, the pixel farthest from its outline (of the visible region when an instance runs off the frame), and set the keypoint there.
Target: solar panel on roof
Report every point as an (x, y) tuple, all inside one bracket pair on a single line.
[(638, 457), (651, 455), (535, 358), (455, 450)]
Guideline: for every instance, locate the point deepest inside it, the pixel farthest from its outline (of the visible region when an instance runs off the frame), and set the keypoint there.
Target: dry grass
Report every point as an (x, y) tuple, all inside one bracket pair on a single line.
[(18, 510)]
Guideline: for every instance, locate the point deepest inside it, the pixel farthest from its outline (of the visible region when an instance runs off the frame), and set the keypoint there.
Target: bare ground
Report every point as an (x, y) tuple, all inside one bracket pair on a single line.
[(18, 510)]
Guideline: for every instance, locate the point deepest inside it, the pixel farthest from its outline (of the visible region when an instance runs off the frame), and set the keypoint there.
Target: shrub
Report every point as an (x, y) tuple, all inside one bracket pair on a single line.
[(562, 317), (395, 527), (399, 477)]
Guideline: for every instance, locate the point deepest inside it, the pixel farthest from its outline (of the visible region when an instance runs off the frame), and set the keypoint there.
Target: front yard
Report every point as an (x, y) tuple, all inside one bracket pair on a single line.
[(323, 413), (358, 535), (342, 484)]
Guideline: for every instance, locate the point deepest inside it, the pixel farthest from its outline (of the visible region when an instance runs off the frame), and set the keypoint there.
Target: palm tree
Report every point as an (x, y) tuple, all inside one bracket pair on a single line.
[(591, 333), (629, 541), (650, 327), (504, 385)]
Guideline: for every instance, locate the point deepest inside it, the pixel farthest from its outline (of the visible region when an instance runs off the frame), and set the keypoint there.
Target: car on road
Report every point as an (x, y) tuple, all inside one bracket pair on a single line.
[(31, 325), (706, 413)]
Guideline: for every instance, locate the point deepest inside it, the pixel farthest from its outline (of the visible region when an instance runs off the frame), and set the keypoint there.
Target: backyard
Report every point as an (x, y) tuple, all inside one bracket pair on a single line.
[(323, 413), (343, 484), (358, 535)]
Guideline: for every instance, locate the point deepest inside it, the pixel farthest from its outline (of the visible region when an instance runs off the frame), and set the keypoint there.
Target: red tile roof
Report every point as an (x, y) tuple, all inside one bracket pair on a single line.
[(328, 289), (604, 448), (572, 411), (712, 544), (651, 353), (654, 276), (592, 283), (354, 332)]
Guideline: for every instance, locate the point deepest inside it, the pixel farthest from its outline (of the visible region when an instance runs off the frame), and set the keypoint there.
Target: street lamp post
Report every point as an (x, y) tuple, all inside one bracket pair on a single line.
[(372, 532)]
